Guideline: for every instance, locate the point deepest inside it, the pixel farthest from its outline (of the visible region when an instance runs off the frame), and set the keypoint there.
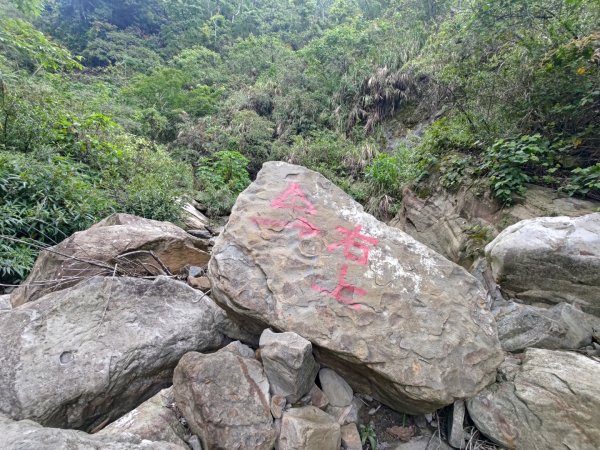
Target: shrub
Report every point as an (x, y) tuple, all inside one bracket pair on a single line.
[(512, 162), (222, 177)]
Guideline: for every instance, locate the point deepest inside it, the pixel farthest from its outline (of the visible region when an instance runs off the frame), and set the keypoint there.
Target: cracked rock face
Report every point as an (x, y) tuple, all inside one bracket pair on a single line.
[(396, 319), (550, 401), (550, 260), (90, 353), (225, 399)]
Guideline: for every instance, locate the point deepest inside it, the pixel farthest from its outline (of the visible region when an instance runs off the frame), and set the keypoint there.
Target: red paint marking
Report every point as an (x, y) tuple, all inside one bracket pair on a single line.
[(294, 198), (338, 292), (354, 240), (306, 228)]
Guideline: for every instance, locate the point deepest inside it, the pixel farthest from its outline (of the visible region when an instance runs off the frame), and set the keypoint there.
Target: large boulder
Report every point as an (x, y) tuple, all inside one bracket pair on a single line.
[(120, 244), (392, 316), (550, 401), (156, 419), (225, 399), (561, 327), (28, 435), (550, 260), (88, 354)]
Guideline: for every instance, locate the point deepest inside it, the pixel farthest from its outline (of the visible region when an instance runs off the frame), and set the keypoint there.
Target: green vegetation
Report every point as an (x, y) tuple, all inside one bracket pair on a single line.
[(130, 106)]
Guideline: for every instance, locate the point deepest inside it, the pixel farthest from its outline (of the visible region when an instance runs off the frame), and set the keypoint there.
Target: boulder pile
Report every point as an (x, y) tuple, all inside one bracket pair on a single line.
[(313, 326)]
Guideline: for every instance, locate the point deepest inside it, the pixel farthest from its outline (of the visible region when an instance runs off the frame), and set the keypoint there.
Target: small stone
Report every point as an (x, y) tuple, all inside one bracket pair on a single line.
[(237, 348), (289, 364), (335, 388), (194, 443), (278, 403), (318, 397), (345, 414), (202, 283), (309, 428), (196, 271), (351, 437), (456, 434)]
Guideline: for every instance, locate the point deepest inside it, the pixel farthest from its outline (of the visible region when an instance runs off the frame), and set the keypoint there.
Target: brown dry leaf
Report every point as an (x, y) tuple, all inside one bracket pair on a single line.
[(403, 433)]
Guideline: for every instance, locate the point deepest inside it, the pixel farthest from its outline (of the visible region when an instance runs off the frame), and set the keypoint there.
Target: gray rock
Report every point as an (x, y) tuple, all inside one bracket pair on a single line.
[(346, 414), (397, 320), (5, 304), (459, 224), (561, 327), (28, 435), (289, 364), (277, 405), (552, 401), (153, 420), (424, 443), (335, 388), (90, 353), (456, 433), (318, 397), (122, 244), (225, 400), (308, 428), (351, 437), (550, 260)]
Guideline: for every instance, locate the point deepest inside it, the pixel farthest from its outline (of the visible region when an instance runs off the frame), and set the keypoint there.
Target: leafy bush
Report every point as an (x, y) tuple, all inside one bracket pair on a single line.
[(222, 177), (585, 181), (511, 162)]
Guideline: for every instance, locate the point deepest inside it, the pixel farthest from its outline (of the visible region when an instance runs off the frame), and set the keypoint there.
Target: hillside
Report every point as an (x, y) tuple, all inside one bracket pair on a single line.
[(130, 106)]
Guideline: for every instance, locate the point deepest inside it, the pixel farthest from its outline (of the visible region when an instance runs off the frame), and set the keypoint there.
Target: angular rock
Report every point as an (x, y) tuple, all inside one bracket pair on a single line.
[(27, 435), (338, 392), (552, 401), (289, 364), (562, 326), (154, 420), (318, 397), (122, 244), (345, 414), (277, 404), (5, 304), (225, 400), (395, 318), (201, 283), (550, 260), (351, 437), (309, 428), (456, 432), (91, 353)]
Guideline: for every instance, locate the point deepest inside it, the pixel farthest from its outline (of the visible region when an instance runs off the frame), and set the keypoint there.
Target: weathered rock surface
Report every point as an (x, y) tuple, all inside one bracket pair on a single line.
[(457, 224), (121, 243), (225, 399), (335, 388), (28, 435), (309, 428), (389, 314), (351, 437), (93, 352), (561, 327), (153, 420), (550, 260), (289, 364), (5, 303), (456, 433), (551, 401)]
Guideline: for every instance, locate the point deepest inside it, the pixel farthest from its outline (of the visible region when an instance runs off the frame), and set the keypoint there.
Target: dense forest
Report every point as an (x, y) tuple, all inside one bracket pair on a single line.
[(134, 105)]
